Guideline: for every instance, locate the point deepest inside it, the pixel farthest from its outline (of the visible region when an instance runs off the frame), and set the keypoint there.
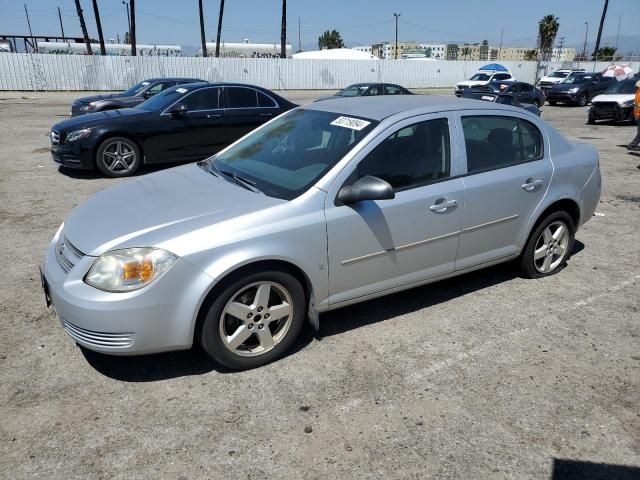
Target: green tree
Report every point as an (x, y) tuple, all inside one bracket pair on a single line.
[(547, 30), (465, 52), (530, 55), (607, 54), (330, 39), (428, 52)]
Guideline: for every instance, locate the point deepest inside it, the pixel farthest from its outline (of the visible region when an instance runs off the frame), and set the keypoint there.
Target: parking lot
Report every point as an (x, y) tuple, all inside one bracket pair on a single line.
[(487, 375)]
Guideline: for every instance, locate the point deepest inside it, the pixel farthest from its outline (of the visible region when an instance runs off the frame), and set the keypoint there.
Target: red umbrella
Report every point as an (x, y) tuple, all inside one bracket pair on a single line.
[(619, 72)]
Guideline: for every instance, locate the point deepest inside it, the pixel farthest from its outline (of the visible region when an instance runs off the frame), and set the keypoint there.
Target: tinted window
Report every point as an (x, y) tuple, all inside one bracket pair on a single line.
[(525, 87), (412, 156), (160, 87), (265, 101), (502, 76), (391, 90), (203, 99), (375, 90), (242, 97), (505, 100), (496, 142), (290, 154)]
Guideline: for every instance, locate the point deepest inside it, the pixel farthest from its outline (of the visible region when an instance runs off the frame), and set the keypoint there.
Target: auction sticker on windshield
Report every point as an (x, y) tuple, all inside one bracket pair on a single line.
[(352, 123), (181, 90)]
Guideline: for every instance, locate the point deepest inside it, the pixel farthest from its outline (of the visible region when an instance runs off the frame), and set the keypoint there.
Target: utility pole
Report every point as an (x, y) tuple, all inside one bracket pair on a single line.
[(34, 44), (500, 47), (618, 34), (397, 15), (604, 14), (299, 42), (61, 27), (584, 48), (128, 35), (203, 38), (219, 28), (96, 12), (132, 35), (559, 49), (83, 26), (283, 31)]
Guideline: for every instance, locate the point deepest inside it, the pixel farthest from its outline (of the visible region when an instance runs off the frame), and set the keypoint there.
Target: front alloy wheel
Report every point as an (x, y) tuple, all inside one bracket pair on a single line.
[(253, 320), (549, 246), (118, 157)]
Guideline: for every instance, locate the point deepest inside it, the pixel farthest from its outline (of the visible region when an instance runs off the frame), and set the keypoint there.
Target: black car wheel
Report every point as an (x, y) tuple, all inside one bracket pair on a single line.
[(118, 157), (583, 100), (549, 246)]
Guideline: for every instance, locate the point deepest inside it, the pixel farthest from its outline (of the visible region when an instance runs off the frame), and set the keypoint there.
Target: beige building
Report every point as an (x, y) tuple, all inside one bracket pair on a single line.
[(518, 53)]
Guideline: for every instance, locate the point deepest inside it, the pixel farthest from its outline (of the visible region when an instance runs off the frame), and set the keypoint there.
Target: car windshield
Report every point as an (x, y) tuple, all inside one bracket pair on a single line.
[(578, 79), (481, 77), (287, 156), (559, 75), (353, 91), (135, 89), (162, 99), (623, 87)]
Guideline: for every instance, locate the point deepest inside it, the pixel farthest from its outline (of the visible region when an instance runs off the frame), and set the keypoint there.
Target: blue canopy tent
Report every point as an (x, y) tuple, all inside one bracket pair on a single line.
[(495, 67)]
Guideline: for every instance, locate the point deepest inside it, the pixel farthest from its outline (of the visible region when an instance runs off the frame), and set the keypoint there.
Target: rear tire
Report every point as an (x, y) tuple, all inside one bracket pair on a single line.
[(118, 157), (254, 320), (549, 246)]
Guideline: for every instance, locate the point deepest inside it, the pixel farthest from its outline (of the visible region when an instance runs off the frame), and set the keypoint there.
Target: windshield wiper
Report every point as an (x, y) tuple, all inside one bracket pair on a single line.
[(243, 182)]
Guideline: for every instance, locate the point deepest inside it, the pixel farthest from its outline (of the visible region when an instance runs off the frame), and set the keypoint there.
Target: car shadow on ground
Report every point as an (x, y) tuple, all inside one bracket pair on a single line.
[(95, 174), (163, 366), (577, 470)]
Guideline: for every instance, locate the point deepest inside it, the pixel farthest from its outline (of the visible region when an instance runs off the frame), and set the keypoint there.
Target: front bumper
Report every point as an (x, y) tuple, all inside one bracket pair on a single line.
[(73, 155), (563, 97), (159, 317), (609, 111)]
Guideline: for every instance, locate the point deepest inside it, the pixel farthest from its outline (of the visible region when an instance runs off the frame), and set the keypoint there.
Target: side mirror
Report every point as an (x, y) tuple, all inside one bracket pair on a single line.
[(366, 188), (178, 110)]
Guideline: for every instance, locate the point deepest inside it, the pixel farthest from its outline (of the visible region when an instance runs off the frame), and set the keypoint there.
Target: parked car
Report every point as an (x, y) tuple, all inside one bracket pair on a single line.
[(368, 89), (616, 103), (579, 89), (522, 91), (502, 98), (181, 124), (330, 204), (548, 81), (482, 78), (127, 99)]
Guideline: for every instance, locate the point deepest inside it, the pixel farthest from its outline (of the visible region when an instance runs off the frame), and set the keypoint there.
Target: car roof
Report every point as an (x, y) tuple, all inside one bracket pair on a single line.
[(383, 106), (172, 79)]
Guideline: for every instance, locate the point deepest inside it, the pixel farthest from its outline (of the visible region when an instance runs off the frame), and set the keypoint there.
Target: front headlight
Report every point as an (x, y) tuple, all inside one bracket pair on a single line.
[(573, 90), (129, 269), (78, 134), (628, 103)]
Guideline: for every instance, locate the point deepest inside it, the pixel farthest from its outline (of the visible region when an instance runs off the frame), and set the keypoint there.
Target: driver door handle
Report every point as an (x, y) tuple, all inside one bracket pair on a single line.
[(266, 114), (530, 184), (443, 206)]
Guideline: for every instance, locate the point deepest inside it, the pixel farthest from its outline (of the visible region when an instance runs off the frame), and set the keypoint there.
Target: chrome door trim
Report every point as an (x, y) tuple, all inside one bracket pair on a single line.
[(492, 222), (396, 249)]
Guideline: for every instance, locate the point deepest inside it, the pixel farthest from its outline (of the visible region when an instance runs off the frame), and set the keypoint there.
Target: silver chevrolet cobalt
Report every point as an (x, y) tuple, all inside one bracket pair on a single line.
[(327, 205)]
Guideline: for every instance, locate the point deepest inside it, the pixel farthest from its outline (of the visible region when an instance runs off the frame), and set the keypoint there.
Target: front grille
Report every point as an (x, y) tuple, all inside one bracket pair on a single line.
[(98, 339), (606, 105), (67, 255), (55, 138)]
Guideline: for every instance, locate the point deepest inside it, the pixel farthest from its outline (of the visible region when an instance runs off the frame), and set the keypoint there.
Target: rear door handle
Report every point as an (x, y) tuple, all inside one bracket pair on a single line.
[(214, 115), (443, 206), (266, 114), (530, 184)]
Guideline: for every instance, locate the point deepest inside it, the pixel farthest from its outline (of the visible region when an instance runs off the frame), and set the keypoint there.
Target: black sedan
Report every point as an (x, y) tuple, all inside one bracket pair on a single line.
[(502, 98), (129, 98), (522, 91), (369, 89), (182, 124), (579, 89)]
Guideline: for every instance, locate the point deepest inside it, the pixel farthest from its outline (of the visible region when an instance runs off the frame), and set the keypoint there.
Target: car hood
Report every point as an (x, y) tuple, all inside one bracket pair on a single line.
[(617, 97), (95, 98), (551, 79), (155, 208), (327, 97), (100, 118), (472, 83)]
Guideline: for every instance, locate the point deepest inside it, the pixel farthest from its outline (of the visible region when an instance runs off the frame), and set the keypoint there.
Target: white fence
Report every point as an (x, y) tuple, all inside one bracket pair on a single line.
[(26, 71)]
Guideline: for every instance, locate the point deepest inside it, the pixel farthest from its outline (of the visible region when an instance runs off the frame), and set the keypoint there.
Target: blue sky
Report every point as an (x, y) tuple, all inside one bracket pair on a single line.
[(359, 22)]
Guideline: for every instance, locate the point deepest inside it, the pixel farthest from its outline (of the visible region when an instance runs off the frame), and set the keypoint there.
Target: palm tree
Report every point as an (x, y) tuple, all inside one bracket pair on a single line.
[(203, 39), (219, 28), (83, 26), (547, 30), (604, 14), (283, 31), (465, 52), (96, 13)]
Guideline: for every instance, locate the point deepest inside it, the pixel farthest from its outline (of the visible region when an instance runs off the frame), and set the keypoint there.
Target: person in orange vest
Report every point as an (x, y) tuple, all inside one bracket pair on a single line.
[(635, 143)]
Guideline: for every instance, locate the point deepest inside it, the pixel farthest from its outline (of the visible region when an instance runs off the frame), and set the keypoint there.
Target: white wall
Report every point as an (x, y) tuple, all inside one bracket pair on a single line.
[(24, 71)]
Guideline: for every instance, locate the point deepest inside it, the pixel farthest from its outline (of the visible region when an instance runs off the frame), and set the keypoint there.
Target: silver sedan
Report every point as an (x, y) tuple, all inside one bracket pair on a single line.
[(327, 205)]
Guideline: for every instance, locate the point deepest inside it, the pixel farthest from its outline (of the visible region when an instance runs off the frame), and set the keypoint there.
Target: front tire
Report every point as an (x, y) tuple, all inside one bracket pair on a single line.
[(118, 157), (591, 120), (583, 100), (254, 320), (553, 103), (549, 246)]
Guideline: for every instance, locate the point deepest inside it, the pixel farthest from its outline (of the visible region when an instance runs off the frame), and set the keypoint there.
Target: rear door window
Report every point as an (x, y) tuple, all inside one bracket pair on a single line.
[(264, 101), (391, 90), (494, 141), (240, 97)]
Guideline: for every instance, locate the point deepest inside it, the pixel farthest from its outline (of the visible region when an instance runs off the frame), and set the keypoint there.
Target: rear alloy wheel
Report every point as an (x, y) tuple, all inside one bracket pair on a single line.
[(549, 246), (118, 157), (583, 100), (254, 321)]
